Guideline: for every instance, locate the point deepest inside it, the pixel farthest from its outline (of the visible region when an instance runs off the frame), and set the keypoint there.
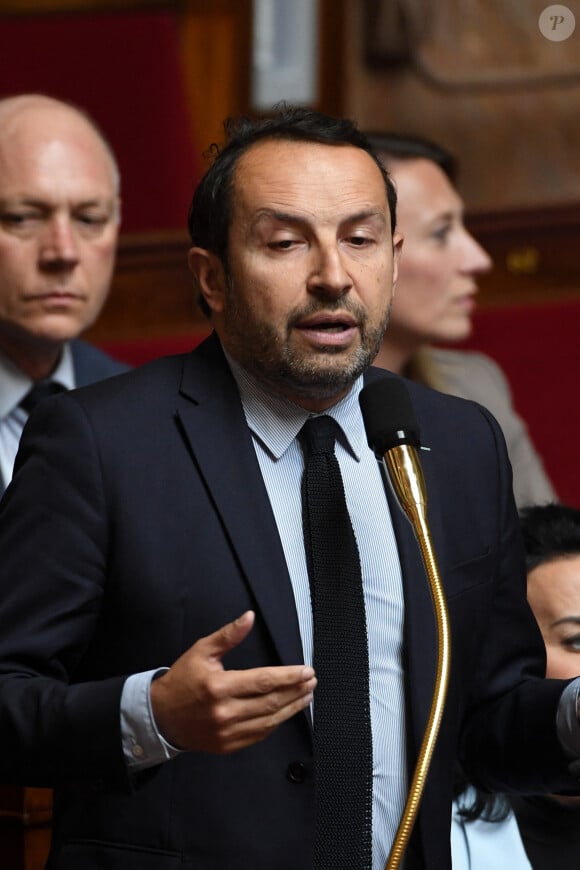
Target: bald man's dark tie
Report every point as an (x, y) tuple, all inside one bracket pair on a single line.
[(342, 728), (39, 391)]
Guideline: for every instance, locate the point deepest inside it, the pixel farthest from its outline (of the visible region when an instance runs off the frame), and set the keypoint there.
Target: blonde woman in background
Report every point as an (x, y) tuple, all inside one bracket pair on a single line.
[(435, 300)]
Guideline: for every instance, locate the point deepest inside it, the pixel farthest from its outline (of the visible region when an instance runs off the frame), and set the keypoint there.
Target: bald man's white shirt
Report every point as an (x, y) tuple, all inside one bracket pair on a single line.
[(14, 385)]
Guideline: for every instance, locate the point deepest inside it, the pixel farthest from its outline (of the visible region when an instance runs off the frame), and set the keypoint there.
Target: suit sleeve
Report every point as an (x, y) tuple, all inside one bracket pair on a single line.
[(509, 736), (57, 719)]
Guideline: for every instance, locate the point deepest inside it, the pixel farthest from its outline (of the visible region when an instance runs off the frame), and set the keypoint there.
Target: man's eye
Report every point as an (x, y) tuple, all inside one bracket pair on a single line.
[(359, 241), (92, 219), (16, 218), (283, 244)]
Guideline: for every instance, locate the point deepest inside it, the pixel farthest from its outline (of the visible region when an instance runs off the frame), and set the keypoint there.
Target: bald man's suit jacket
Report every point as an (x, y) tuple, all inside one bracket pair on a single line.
[(138, 522), (90, 365)]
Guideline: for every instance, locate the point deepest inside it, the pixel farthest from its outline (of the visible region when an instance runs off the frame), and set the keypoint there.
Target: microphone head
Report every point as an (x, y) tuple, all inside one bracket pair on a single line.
[(388, 415)]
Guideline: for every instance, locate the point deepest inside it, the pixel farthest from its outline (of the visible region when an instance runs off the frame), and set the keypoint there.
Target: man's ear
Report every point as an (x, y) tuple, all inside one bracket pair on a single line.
[(210, 278)]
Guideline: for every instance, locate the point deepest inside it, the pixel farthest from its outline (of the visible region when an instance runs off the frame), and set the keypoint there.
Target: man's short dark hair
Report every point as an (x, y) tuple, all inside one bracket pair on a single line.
[(210, 210), (399, 146), (550, 531)]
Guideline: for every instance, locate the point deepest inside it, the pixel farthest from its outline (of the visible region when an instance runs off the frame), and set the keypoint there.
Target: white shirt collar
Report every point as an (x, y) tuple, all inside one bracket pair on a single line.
[(276, 421), (15, 384)]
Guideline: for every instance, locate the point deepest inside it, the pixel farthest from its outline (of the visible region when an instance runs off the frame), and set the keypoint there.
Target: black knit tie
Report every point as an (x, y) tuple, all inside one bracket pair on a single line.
[(342, 729), (39, 391)]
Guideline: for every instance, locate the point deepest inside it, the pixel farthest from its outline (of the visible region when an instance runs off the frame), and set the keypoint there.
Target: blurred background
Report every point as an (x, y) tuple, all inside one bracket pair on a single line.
[(478, 76)]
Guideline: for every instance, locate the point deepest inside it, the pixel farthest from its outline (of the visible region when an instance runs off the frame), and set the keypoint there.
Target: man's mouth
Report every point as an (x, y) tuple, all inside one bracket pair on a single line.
[(329, 329)]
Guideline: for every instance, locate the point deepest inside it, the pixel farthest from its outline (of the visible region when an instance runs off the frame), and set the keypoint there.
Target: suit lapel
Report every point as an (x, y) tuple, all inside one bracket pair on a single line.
[(213, 423)]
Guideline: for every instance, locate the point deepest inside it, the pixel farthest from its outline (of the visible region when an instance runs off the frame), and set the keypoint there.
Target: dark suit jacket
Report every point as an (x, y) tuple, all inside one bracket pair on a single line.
[(90, 365), (138, 522)]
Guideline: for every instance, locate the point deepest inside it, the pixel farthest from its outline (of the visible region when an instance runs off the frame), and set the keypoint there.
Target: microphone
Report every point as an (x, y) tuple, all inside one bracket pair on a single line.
[(393, 434)]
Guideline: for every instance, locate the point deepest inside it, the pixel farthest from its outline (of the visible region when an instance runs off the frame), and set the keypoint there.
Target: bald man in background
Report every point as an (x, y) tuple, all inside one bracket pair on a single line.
[(59, 224)]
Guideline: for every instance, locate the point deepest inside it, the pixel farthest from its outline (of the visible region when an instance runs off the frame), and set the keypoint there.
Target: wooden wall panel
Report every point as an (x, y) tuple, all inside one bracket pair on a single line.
[(518, 146), (25, 833), (216, 52), (39, 7), (535, 254), (152, 293)]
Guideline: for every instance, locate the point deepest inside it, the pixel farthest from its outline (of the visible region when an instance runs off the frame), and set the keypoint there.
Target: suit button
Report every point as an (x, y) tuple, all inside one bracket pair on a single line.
[(297, 771)]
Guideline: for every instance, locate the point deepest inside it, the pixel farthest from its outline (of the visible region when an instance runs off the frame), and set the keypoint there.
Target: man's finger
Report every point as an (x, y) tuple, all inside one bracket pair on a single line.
[(259, 682), (249, 731), (227, 637)]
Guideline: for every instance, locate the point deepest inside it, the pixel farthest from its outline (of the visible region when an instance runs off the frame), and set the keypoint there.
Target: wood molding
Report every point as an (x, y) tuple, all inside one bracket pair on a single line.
[(534, 251), (152, 292), (25, 827), (64, 7), (28, 806)]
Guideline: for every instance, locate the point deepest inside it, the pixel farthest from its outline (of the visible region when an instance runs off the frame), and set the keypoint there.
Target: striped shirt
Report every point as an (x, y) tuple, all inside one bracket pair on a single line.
[(274, 424)]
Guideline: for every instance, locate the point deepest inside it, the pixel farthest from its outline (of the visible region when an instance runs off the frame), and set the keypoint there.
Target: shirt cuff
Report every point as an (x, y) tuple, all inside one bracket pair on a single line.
[(143, 745)]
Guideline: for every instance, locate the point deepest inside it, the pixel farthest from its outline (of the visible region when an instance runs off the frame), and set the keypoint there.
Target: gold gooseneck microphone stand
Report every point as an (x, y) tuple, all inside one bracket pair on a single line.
[(393, 435), (406, 476)]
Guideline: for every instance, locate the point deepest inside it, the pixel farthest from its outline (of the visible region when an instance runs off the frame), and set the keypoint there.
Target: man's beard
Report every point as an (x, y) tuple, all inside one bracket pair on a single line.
[(288, 371)]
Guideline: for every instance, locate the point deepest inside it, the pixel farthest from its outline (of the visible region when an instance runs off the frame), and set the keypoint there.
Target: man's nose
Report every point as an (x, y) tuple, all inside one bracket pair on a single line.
[(330, 273), (58, 243)]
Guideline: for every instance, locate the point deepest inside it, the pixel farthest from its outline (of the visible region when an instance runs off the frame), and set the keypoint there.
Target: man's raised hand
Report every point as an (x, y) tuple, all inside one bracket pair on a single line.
[(200, 706)]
